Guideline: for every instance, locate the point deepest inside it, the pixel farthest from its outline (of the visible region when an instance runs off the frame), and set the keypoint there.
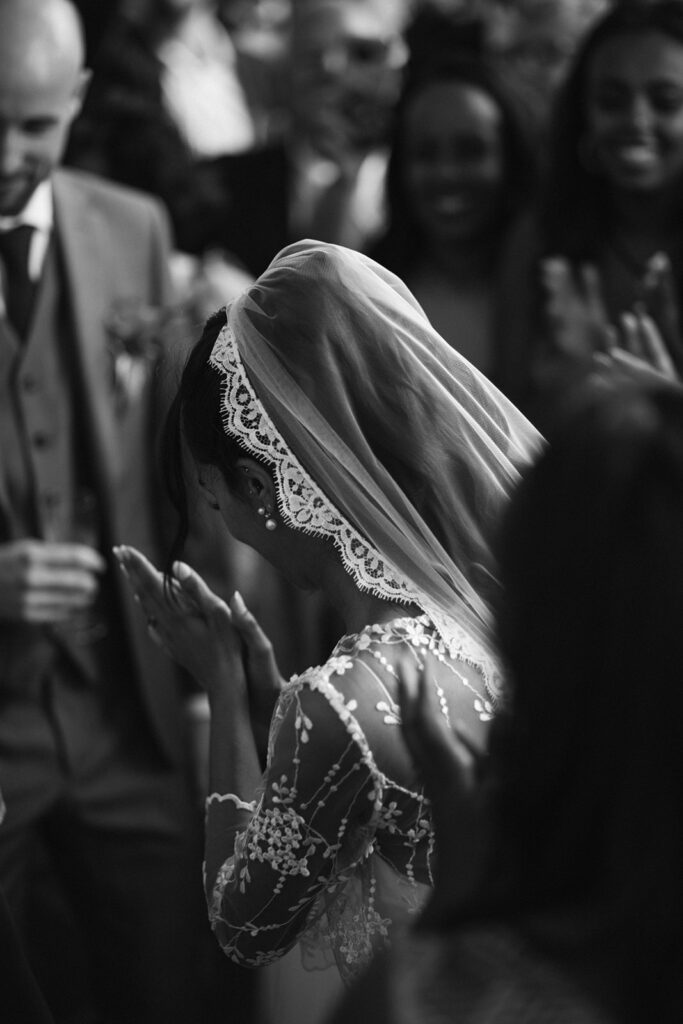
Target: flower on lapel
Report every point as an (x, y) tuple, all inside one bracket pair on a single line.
[(133, 330)]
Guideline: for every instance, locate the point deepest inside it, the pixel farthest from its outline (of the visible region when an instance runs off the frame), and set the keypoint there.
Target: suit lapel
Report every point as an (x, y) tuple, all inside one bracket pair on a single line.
[(82, 235)]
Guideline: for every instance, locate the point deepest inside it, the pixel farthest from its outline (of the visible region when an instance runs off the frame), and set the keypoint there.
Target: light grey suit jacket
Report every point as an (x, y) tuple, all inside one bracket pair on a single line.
[(115, 248)]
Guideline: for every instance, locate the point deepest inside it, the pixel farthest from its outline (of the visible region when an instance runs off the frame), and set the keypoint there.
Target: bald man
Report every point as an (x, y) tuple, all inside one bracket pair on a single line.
[(92, 731)]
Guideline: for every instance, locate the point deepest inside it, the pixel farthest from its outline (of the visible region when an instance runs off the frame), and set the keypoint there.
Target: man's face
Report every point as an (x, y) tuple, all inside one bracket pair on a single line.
[(37, 107), (346, 70)]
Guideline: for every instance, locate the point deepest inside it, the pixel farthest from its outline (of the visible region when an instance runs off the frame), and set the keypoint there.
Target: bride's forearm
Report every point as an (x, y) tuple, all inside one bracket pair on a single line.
[(234, 778), (234, 765)]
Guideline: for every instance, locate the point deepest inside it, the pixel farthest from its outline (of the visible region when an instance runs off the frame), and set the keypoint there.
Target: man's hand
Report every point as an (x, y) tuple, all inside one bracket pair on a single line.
[(46, 583)]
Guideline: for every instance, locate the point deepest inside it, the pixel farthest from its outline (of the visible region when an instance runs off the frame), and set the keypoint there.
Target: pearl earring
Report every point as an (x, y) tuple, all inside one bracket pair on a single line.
[(270, 523)]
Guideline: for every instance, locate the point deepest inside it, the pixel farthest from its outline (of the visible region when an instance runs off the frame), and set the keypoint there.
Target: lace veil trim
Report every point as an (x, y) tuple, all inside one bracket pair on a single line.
[(302, 504)]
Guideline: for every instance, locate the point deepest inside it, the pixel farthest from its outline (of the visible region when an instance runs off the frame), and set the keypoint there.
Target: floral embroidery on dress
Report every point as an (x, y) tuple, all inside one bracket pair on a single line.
[(282, 839), (334, 852), (356, 938)]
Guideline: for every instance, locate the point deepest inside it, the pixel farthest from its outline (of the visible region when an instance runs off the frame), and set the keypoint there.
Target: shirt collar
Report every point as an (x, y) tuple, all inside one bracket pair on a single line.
[(38, 212)]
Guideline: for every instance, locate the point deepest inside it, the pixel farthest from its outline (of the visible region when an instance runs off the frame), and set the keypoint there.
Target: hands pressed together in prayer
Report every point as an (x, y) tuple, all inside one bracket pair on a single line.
[(219, 644)]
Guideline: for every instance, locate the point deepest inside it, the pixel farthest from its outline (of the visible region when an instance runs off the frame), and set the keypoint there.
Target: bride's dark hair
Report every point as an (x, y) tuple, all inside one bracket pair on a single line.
[(194, 428), (380, 437)]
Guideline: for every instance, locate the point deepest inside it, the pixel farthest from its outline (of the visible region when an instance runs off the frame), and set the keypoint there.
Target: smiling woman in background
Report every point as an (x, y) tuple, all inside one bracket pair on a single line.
[(609, 236), (460, 171)]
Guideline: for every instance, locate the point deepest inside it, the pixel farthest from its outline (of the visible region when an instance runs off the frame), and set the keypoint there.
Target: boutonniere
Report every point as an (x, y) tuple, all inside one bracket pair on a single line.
[(134, 333)]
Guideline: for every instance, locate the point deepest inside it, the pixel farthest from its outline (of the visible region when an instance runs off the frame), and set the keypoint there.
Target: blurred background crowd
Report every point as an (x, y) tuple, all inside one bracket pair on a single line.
[(519, 163), (452, 140), (417, 131)]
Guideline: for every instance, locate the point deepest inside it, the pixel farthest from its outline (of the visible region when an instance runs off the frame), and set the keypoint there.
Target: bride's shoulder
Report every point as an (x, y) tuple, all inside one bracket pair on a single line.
[(356, 675), (361, 672)]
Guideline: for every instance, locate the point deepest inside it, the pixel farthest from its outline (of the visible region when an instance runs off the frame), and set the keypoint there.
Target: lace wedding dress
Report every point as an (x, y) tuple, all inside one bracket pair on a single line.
[(339, 848), (387, 445)]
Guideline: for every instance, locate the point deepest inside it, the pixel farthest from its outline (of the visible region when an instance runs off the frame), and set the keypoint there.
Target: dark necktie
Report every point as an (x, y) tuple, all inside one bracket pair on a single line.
[(18, 287)]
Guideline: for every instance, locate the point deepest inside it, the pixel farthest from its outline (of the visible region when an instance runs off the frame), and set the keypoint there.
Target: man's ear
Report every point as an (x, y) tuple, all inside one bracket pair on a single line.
[(256, 484)]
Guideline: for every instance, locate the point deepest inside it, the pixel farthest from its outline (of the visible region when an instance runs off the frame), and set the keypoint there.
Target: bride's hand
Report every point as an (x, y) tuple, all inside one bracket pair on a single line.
[(263, 675), (188, 620)]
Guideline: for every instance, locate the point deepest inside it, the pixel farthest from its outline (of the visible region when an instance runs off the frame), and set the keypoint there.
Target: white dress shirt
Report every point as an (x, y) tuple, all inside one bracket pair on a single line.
[(38, 214)]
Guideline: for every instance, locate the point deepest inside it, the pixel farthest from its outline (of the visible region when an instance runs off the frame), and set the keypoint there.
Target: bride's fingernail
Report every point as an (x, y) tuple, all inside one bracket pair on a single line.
[(238, 603), (181, 571)]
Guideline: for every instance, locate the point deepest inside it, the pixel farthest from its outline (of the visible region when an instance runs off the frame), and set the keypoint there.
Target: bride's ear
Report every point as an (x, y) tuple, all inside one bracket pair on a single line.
[(256, 484)]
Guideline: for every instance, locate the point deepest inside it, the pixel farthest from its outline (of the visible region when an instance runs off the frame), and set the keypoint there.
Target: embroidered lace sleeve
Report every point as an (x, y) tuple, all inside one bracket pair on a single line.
[(313, 821)]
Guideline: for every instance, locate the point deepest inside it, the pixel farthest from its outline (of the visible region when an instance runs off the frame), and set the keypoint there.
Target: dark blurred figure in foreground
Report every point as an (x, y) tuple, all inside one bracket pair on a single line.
[(574, 851)]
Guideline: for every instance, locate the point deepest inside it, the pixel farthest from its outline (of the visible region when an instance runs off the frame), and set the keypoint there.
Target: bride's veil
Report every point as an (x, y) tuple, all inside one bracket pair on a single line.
[(327, 349)]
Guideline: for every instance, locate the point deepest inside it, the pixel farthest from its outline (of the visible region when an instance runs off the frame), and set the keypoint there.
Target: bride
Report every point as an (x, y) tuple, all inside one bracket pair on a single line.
[(336, 433)]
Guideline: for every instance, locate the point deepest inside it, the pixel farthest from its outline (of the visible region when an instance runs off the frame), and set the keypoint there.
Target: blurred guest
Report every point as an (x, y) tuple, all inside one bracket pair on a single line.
[(94, 753), (347, 58), (607, 241), (538, 38), (576, 915), (461, 171), (169, 83), (258, 26)]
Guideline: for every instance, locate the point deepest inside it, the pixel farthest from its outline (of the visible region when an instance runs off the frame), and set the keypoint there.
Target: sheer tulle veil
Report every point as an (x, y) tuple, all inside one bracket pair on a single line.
[(327, 349)]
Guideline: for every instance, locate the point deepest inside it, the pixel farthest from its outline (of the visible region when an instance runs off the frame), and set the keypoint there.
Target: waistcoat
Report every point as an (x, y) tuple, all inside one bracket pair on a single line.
[(46, 478)]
